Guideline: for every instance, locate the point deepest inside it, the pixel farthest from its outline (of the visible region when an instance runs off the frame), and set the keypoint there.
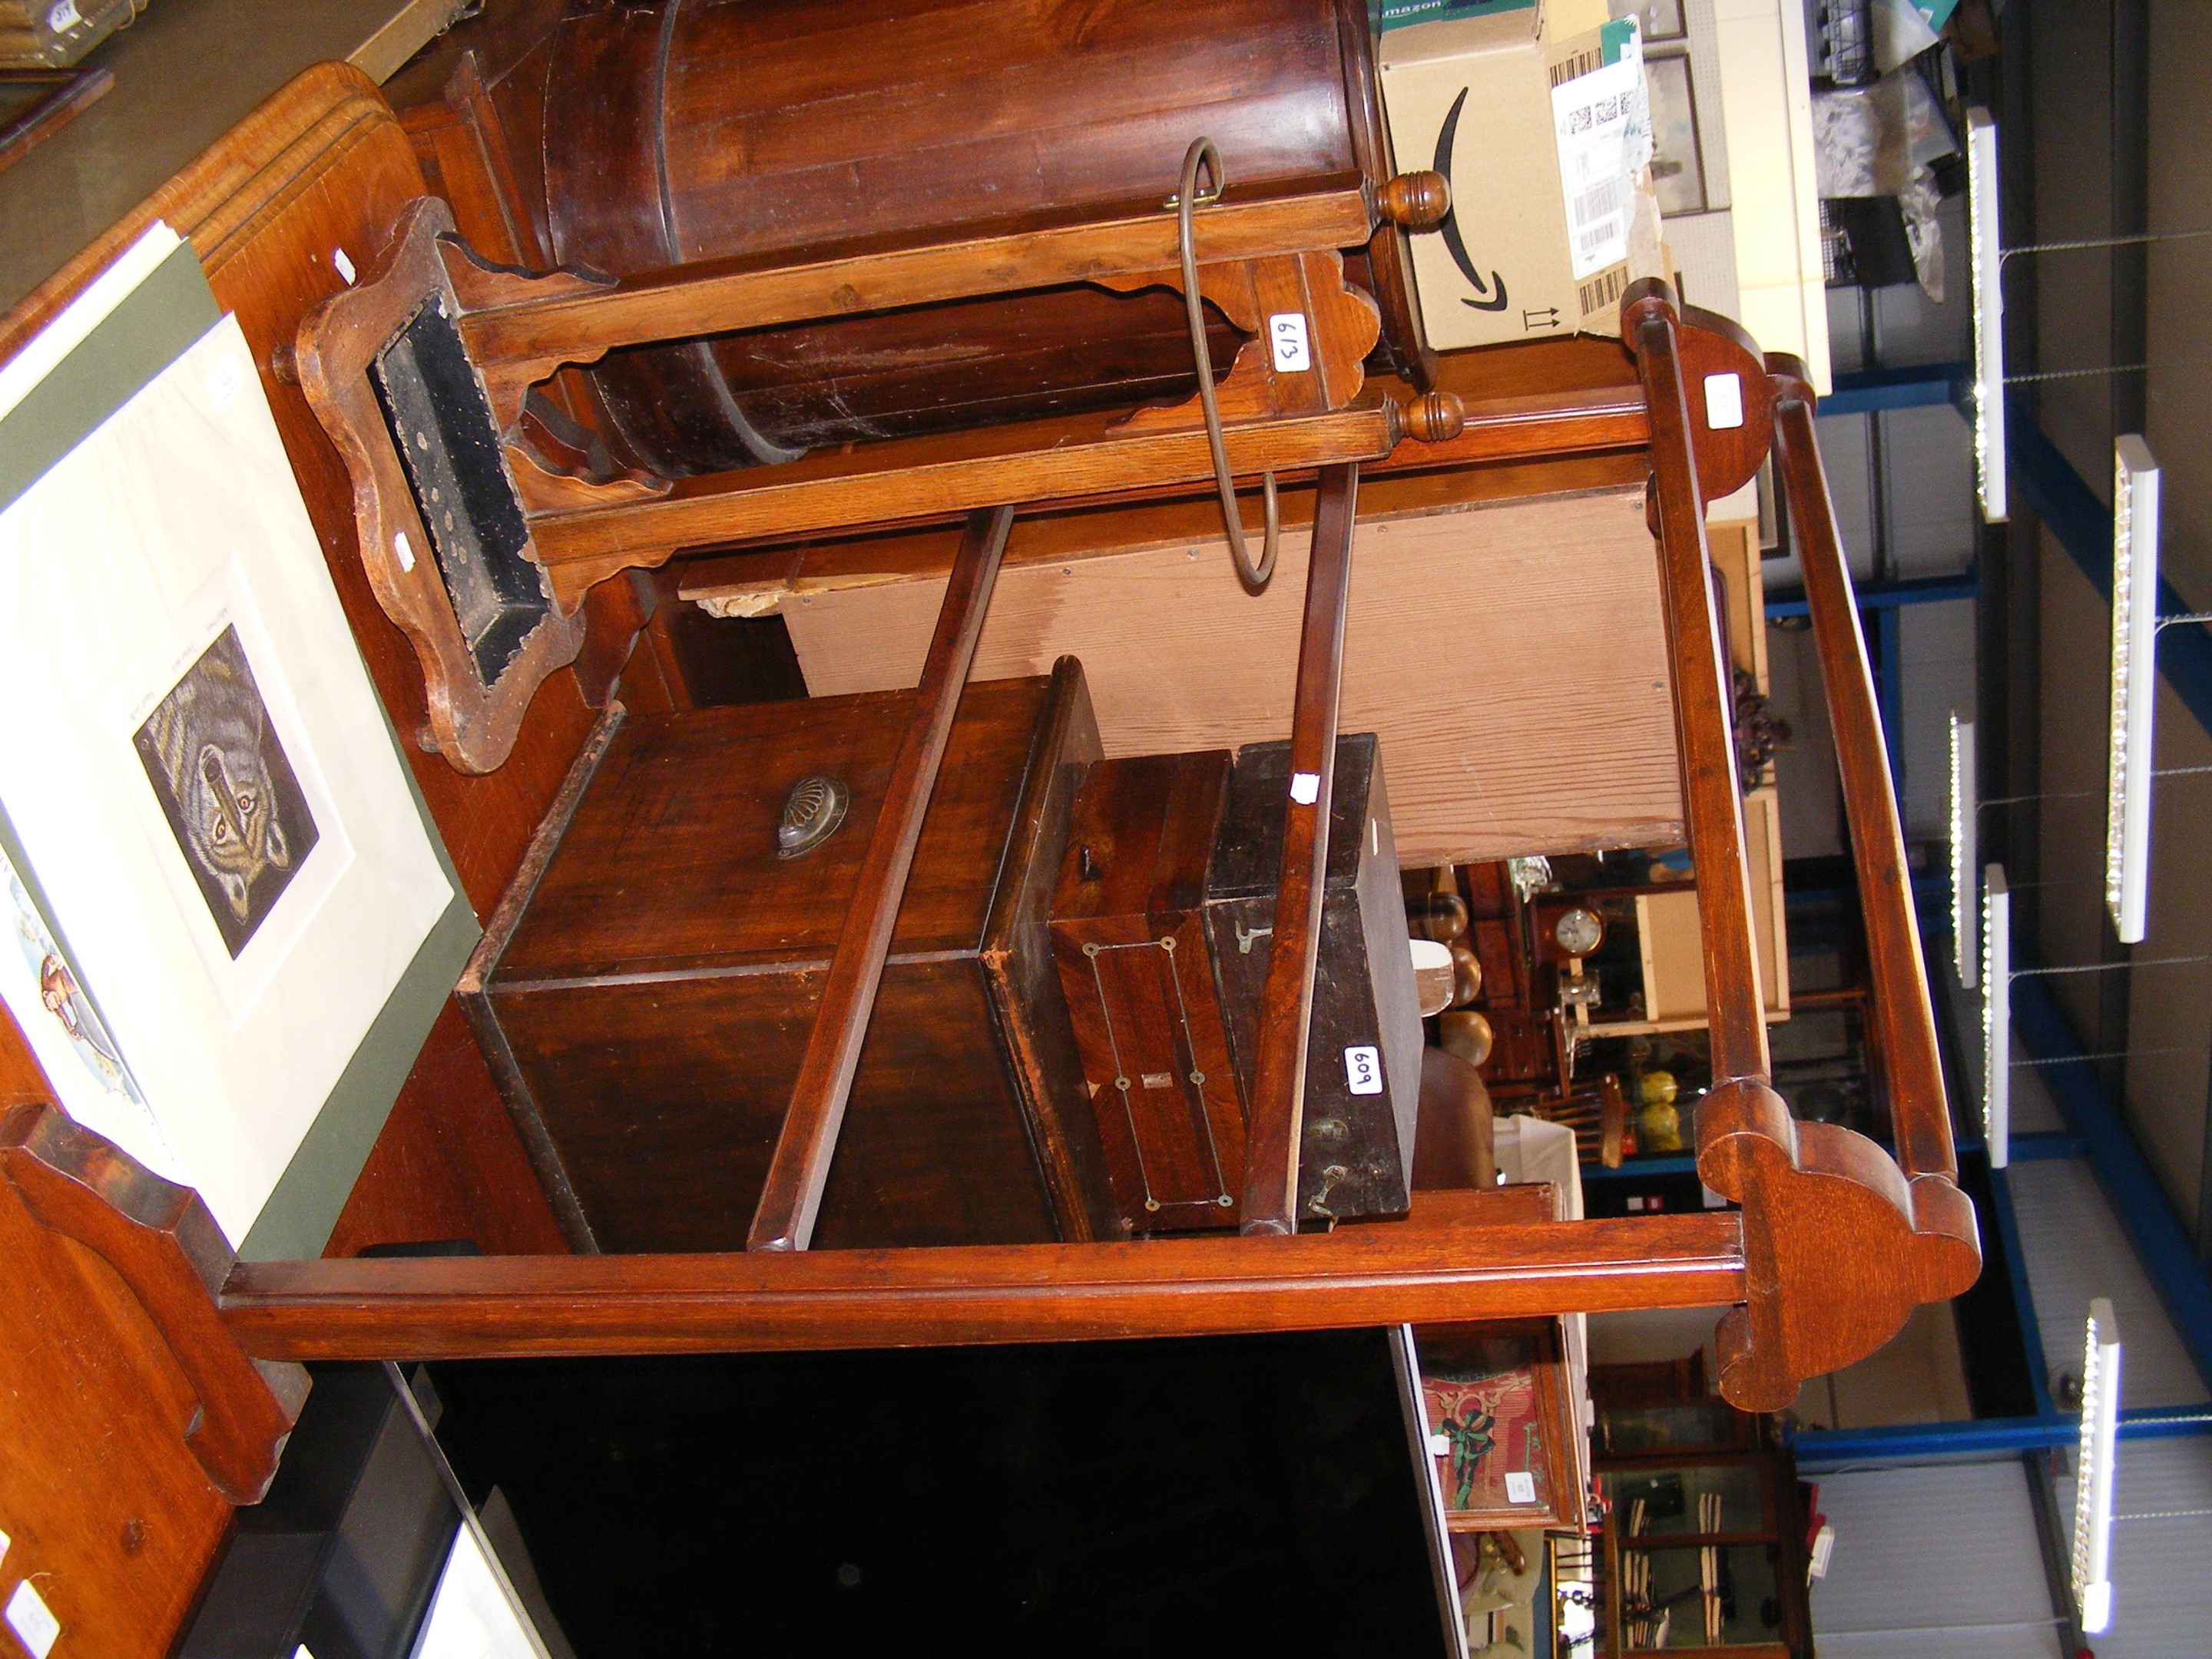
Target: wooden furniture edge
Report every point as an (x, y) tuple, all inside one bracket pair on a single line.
[(1445, 1264), (1840, 1244), (1274, 1139), (161, 1243)]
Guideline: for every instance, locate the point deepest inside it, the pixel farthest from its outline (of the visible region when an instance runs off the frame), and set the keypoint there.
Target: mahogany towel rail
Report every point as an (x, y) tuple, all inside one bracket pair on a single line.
[(1835, 1243)]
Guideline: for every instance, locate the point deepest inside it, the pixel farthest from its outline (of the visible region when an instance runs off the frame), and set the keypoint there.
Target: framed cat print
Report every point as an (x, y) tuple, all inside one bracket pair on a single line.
[(204, 796)]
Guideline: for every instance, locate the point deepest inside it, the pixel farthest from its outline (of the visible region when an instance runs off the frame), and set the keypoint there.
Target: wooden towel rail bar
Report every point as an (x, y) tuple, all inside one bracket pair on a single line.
[(1835, 1243)]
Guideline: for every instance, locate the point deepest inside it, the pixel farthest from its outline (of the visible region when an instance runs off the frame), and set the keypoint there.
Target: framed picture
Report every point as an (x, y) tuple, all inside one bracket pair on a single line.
[(1661, 19), (1500, 1425), (36, 104), (1678, 170), (249, 923)]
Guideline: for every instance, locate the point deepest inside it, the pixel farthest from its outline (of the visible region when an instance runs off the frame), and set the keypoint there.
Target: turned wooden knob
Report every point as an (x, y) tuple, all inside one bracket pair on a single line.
[(1418, 200), (1434, 417), (284, 365)]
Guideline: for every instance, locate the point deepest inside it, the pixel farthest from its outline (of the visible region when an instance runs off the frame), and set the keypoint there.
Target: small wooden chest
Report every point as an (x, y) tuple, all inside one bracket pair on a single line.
[(645, 1001), (1163, 926)]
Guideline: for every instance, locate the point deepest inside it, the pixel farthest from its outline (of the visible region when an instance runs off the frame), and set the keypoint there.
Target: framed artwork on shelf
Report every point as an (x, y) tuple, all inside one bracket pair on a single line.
[(36, 104), (1677, 168), (1661, 19), (1501, 1425), (243, 919)]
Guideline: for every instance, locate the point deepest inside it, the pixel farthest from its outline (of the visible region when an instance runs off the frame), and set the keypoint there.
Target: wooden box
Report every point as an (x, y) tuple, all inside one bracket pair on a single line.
[(645, 1002), (1129, 937), (1364, 1047), (1162, 929)]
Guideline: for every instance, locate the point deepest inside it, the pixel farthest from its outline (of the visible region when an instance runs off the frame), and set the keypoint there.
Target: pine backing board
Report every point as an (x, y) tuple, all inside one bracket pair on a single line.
[(1511, 656)]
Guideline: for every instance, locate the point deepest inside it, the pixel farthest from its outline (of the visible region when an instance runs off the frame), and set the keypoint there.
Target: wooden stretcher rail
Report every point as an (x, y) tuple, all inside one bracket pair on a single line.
[(791, 1196), (1279, 1082), (1904, 1016), (1446, 1262), (1841, 1243), (1704, 701), (763, 290)]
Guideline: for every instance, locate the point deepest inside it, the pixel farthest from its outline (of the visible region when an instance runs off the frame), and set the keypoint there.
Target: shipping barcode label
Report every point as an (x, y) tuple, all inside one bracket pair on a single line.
[(1286, 331), (1606, 199), (1599, 293), (1363, 1070), (1594, 117)]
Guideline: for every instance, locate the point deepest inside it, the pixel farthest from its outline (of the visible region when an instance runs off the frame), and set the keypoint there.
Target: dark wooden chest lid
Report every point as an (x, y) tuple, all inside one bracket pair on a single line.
[(670, 864), (1248, 854)]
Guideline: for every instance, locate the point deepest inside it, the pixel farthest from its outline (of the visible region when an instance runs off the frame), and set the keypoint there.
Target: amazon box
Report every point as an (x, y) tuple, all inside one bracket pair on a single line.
[(1547, 147)]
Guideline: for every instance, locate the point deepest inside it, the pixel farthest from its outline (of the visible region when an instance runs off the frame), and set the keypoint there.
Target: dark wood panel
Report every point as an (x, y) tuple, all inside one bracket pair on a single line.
[(680, 135), (1034, 1023), (670, 863), (448, 1164), (666, 1098), (1129, 943)]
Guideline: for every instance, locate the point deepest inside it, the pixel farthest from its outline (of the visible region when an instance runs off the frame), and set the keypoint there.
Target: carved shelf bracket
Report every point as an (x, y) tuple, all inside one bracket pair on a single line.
[(164, 1247)]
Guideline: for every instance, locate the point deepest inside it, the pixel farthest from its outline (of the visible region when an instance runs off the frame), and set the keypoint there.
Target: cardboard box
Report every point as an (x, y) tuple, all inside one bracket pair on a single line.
[(1547, 147)]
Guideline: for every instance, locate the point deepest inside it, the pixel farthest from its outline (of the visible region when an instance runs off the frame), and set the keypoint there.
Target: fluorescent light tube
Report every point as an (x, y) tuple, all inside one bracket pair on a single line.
[(1985, 256), (1965, 809), (1996, 1015), (2135, 687), (2093, 1470)]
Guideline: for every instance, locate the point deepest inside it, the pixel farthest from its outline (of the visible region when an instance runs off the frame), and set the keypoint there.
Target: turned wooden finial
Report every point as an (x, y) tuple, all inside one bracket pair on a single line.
[(1418, 200), (1434, 417)]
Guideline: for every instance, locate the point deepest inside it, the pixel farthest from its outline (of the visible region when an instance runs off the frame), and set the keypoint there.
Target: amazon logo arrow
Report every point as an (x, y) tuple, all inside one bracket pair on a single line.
[(1445, 140)]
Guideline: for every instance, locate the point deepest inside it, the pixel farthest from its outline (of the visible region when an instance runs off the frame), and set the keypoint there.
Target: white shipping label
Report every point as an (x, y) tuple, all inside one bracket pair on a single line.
[(1520, 1486), (1363, 1070), (1287, 330), (1594, 117)]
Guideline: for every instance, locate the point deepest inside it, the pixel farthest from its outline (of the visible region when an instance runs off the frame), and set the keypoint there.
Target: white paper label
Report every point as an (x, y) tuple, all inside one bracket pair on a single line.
[(1520, 1486), (64, 17), (1592, 115), (33, 1620), (1305, 787), (1440, 1445), (224, 382), (1363, 1070), (1287, 330), (403, 550), (342, 261), (4, 1541), (1723, 402)]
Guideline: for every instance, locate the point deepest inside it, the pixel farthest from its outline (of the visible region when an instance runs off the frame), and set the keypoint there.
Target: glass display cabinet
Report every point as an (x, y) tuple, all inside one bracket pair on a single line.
[(1703, 1547)]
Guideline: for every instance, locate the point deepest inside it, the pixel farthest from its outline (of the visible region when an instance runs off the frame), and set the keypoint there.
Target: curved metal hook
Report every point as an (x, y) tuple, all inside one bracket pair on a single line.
[(1202, 153)]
